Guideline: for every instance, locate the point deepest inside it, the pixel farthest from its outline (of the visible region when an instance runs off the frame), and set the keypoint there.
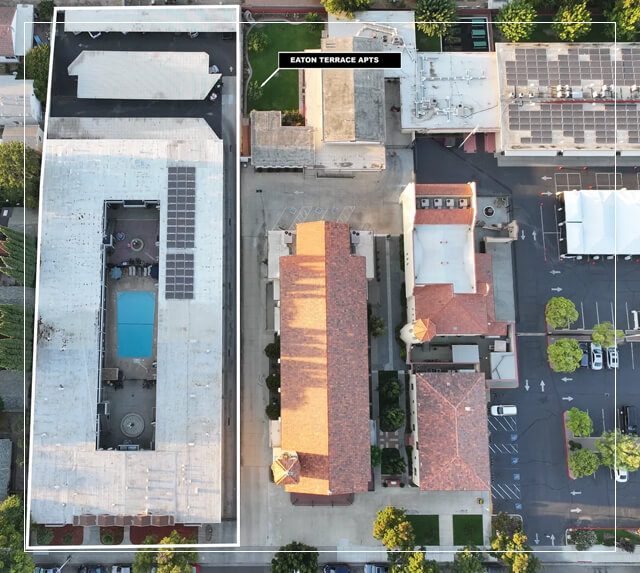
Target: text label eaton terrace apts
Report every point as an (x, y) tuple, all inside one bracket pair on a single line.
[(373, 60)]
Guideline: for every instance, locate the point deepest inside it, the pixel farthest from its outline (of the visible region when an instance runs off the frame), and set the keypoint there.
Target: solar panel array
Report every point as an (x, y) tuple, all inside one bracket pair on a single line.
[(179, 276), (565, 122), (181, 208), (181, 226)]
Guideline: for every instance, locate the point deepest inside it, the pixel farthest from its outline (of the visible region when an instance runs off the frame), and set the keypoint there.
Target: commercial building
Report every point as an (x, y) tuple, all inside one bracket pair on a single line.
[(126, 401), (599, 223), (324, 444)]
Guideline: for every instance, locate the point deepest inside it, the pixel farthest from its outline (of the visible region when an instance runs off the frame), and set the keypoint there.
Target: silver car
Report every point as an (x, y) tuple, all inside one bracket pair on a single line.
[(596, 357)]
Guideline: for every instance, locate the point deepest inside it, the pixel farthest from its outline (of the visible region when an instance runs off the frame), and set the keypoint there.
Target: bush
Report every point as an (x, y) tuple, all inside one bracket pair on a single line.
[(376, 456), (506, 524), (315, 23), (273, 382), (392, 462), (45, 10), (564, 355), (583, 539), (43, 535), (67, 539), (106, 539), (272, 350), (392, 419), (376, 326), (257, 41), (389, 391), (273, 410), (292, 117), (574, 446), (346, 7), (583, 463), (579, 423), (560, 312), (36, 68), (626, 545)]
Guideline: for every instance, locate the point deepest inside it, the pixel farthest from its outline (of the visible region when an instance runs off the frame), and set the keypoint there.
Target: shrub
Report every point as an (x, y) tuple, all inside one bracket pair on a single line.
[(272, 350), (292, 117), (579, 423), (573, 446), (36, 68), (106, 539), (626, 544), (314, 21), (346, 7), (43, 535), (390, 391), (392, 462), (392, 419), (257, 41), (273, 410), (273, 382), (67, 539), (376, 456), (45, 10), (583, 539), (560, 312), (506, 524), (376, 326)]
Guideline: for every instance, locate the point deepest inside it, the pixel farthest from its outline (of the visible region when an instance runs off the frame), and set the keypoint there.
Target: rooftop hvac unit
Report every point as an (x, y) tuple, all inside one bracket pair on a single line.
[(437, 203), (355, 237), (463, 203), (107, 241), (450, 203), (424, 203), (288, 237)]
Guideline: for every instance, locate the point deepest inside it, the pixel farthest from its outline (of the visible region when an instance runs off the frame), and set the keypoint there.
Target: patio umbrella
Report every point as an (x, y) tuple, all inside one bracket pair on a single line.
[(286, 469)]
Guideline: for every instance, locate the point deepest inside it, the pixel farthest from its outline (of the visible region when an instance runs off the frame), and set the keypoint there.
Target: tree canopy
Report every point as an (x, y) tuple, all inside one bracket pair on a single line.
[(468, 560), (435, 17), (515, 553), (579, 423), (583, 539), (14, 355), (13, 558), (516, 20), (392, 419), (564, 355), (346, 7), (257, 41), (572, 21), (286, 562), (19, 260), (583, 463), (560, 312), (605, 335), (417, 563), (19, 186), (627, 448), (626, 14), (396, 534), (36, 68)]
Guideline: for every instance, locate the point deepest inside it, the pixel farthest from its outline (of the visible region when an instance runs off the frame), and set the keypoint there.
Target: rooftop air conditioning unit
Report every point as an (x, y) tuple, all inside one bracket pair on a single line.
[(424, 203), (437, 203), (288, 237), (450, 203), (463, 203), (355, 237)]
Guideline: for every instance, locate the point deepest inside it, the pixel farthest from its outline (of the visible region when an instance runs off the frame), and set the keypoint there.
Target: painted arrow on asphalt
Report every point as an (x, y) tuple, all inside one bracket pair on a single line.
[(526, 385), (534, 235), (547, 193), (574, 492), (556, 289), (546, 178), (568, 398), (554, 272), (552, 537), (536, 540), (576, 510), (565, 379), (542, 385), (522, 235)]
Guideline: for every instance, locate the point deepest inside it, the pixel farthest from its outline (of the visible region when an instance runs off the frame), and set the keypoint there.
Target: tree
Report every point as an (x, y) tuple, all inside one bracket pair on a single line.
[(145, 559), (389, 391), (468, 560), (13, 558), (314, 22), (254, 91), (516, 20), (165, 560), (625, 448), (435, 17), (393, 530), (605, 335), (36, 68), (272, 350), (376, 456), (295, 556), (273, 410), (376, 326), (505, 523), (564, 355), (583, 539), (45, 10), (583, 463), (273, 382), (579, 423), (345, 7), (392, 419), (560, 312), (257, 41), (19, 186), (417, 563), (514, 552), (15, 339), (392, 462), (19, 257), (626, 15), (572, 21)]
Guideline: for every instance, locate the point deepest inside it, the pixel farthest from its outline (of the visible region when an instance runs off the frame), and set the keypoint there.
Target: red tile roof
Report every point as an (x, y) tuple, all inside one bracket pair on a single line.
[(452, 434), (457, 314), (324, 367), (444, 189), (6, 34)]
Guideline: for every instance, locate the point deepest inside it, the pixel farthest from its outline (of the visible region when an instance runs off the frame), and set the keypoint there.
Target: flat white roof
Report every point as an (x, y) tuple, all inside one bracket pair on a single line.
[(22, 28), (602, 222), (16, 97), (444, 254), (154, 19), (181, 477), (149, 75)]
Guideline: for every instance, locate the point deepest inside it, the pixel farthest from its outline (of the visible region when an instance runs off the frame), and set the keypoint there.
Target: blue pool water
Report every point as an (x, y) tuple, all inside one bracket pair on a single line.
[(136, 312)]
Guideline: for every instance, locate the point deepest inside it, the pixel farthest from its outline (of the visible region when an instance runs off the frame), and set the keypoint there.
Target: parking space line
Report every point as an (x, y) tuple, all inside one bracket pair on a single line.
[(544, 246), (491, 449), (613, 317), (597, 313), (504, 491), (517, 496), (604, 426), (493, 487), (582, 314), (633, 362), (626, 307)]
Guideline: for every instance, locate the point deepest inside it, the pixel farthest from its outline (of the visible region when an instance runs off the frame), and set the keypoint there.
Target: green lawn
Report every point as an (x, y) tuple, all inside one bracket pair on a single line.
[(607, 536), (426, 529), (467, 530), (281, 92), (426, 44)]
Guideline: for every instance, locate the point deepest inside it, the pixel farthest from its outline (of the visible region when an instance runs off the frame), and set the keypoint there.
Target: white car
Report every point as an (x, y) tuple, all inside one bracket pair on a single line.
[(502, 410), (596, 357), (622, 475), (612, 357)]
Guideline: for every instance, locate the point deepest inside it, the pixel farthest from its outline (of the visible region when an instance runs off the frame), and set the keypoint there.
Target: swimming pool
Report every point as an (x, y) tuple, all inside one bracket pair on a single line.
[(136, 310)]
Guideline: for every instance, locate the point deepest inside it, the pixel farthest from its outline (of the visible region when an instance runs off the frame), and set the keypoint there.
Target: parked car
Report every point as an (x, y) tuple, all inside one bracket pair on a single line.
[(336, 568), (584, 361), (596, 357), (622, 475), (612, 357), (376, 568), (627, 420), (503, 410)]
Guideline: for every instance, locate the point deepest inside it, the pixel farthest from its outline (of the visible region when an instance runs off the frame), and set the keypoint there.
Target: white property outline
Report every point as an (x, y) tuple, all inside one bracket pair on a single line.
[(129, 548), (111, 549)]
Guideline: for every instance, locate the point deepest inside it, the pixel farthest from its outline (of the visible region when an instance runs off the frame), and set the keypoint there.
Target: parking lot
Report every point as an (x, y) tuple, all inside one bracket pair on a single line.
[(529, 474)]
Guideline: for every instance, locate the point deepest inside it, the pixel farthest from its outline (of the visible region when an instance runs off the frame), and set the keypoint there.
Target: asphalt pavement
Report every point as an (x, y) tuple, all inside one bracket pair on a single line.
[(529, 474)]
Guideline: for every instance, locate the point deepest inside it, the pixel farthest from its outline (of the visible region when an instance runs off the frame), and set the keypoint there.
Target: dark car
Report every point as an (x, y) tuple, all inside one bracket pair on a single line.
[(627, 420), (584, 361), (336, 568)]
